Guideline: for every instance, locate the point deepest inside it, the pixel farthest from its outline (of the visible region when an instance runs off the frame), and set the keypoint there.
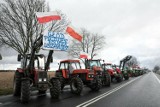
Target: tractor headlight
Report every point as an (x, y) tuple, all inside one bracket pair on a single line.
[(90, 76), (44, 79), (40, 79)]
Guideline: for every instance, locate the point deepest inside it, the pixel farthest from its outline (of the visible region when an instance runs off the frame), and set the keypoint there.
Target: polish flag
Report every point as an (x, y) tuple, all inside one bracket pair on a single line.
[(44, 17), (73, 33), (83, 55)]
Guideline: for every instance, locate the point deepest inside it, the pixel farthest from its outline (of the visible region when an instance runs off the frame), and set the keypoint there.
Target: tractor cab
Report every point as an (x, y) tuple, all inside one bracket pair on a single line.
[(39, 61), (94, 65), (113, 71), (108, 67), (69, 65), (117, 69)]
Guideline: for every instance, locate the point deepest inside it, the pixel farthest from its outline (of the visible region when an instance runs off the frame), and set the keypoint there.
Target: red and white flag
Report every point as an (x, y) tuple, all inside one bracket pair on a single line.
[(83, 55), (44, 17), (73, 33)]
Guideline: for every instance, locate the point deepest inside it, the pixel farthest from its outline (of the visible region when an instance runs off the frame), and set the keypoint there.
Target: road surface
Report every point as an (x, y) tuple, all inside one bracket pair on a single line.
[(142, 91)]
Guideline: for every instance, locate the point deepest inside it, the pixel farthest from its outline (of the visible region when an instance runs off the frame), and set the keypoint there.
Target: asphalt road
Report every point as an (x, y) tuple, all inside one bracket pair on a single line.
[(142, 91)]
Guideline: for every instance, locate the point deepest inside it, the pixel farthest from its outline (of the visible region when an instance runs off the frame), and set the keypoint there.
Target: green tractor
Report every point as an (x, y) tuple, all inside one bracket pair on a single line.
[(125, 71), (137, 71)]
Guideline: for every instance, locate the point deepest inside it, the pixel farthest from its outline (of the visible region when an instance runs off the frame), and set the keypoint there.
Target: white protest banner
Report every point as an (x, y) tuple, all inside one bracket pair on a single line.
[(55, 41)]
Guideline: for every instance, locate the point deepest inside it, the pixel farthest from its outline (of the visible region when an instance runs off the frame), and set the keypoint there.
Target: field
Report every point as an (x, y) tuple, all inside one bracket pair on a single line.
[(6, 82)]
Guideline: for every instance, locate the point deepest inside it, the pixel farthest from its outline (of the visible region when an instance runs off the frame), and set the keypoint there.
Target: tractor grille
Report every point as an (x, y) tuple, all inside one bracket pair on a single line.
[(42, 76), (82, 76)]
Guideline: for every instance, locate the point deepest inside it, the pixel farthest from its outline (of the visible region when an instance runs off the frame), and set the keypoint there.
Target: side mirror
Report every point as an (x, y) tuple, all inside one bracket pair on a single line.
[(0, 57), (19, 57)]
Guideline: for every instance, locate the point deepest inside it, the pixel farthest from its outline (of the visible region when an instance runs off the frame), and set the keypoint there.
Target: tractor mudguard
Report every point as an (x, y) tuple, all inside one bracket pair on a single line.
[(20, 70)]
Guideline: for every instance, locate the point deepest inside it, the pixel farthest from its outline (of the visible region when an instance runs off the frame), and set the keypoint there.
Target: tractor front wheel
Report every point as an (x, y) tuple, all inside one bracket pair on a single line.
[(25, 90), (55, 89), (106, 79), (120, 78), (61, 79), (76, 85), (97, 84), (126, 77)]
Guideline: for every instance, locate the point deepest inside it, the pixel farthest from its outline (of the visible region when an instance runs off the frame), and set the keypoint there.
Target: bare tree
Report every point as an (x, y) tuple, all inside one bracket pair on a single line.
[(156, 68), (91, 44), (18, 24), (132, 62)]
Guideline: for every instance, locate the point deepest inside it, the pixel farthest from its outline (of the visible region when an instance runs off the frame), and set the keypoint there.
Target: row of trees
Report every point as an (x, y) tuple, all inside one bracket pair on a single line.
[(19, 28), (156, 69), (132, 62)]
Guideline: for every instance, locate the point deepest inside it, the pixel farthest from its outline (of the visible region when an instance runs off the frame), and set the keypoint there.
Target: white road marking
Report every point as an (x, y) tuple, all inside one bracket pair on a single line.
[(0, 103), (93, 100), (156, 78)]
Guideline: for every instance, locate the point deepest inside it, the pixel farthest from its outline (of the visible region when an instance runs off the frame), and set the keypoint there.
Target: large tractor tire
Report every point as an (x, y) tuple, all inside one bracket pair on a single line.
[(126, 77), (106, 79), (61, 79), (17, 84), (120, 78), (76, 85), (25, 90), (97, 84), (55, 89)]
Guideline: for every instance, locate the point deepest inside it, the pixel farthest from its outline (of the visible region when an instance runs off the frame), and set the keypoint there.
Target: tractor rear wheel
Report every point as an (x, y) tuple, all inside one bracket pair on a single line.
[(76, 85), (97, 84), (126, 77), (120, 78), (25, 90), (106, 79), (61, 79), (55, 89), (17, 84)]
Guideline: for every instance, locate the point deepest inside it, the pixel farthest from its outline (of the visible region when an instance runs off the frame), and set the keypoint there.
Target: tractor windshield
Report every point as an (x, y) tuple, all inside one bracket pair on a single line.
[(108, 66), (67, 65), (39, 62), (75, 65), (94, 63)]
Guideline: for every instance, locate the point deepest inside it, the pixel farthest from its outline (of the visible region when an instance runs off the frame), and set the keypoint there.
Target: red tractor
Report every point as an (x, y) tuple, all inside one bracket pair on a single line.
[(119, 77), (70, 72), (32, 75), (97, 67), (113, 71)]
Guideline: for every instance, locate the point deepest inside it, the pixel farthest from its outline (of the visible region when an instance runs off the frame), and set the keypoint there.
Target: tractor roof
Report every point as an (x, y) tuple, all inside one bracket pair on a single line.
[(108, 63), (69, 60)]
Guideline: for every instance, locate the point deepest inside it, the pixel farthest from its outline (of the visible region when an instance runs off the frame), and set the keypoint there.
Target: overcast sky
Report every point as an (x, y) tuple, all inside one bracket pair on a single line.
[(131, 27)]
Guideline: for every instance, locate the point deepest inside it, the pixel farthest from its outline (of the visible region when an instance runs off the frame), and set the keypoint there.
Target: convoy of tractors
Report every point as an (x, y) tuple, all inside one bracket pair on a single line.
[(32, 75)]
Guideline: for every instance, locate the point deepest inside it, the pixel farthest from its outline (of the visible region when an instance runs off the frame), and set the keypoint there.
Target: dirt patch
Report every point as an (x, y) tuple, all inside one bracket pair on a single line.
[(6, 82)]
